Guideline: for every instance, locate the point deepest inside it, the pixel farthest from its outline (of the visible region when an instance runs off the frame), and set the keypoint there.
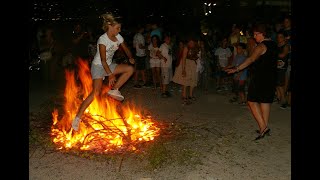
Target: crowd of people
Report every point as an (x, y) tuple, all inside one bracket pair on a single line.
[(252, 61)]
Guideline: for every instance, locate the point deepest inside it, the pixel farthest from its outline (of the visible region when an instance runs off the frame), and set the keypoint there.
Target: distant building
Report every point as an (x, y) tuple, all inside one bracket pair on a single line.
[(58, 10), (283, 5)]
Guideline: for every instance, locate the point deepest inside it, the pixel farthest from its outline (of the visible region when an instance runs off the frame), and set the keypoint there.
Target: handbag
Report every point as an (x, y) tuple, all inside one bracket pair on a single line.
[(46, 54), (68, 60)]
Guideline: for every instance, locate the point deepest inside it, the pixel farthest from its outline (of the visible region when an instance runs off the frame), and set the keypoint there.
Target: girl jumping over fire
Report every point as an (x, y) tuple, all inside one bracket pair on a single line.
[(102, 65)]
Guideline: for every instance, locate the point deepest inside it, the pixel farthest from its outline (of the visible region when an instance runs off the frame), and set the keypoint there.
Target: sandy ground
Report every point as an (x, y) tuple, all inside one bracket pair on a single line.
[(217, 144)]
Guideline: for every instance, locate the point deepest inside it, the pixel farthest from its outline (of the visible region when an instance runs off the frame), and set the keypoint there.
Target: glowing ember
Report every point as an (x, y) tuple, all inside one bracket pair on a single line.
[(107, 125)]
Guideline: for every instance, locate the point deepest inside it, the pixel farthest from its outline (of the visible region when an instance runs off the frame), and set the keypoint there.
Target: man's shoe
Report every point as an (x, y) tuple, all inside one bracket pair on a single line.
[(168, 93), (137, 86), (164, 95), (234, 99), (218, 89), (115, 94), (283, 106), (147, 85), (242, 103)]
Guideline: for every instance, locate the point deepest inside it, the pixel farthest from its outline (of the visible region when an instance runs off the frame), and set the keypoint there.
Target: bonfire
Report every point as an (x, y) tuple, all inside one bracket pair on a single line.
[(107, 125)]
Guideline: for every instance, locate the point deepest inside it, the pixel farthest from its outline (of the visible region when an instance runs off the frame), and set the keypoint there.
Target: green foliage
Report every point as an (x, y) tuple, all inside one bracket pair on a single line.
[(157, 155)]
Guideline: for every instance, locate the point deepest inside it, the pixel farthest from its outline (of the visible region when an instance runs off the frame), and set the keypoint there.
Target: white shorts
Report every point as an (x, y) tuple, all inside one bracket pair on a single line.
[(155, 63), (97, 70)]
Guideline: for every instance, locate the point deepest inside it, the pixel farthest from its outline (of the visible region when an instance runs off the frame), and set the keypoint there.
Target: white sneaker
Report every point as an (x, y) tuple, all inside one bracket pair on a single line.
[(115, 94), (75, 123)]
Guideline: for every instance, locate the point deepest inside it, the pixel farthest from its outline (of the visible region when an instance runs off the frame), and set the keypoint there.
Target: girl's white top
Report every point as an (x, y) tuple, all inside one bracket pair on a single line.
[(111, 48)]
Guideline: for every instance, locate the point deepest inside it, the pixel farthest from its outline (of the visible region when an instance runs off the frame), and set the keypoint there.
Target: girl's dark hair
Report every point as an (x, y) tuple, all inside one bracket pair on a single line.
[(192, 36), (260, 28), (158, 39), (263, 28), (166, 34)]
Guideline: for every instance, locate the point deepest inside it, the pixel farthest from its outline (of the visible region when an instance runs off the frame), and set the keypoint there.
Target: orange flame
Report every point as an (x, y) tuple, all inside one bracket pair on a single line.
[(107, 125)]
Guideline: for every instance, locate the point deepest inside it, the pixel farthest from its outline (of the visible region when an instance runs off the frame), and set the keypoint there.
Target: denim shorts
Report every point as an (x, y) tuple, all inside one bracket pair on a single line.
[(97, 70)]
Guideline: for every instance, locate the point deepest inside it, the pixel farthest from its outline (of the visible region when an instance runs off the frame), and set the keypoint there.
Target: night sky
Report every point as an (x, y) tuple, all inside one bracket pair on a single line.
[(173, 11)]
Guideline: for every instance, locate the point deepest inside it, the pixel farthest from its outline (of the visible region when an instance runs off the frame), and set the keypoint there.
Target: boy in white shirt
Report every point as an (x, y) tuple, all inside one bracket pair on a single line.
[(224, 58), (165, 54)]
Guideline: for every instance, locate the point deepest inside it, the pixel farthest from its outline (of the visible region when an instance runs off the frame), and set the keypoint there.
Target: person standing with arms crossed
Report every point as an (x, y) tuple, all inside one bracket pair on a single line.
[(140, 65), (262, 85), (102, 65)]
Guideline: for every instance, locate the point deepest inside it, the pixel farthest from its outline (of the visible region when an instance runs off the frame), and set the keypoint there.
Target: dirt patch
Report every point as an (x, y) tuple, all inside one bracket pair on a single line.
[(209, 139)]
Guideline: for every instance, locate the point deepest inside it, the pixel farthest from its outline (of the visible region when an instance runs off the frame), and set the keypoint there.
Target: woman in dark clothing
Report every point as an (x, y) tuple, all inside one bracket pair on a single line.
[(262, 85)]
